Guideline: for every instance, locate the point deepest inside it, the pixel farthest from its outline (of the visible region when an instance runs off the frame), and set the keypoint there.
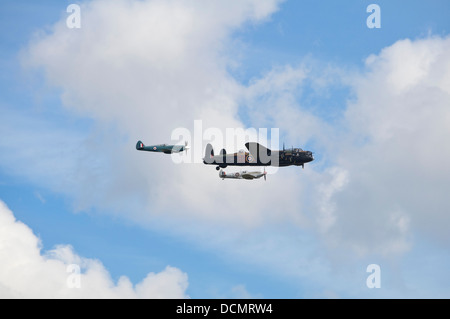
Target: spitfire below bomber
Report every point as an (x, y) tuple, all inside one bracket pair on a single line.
[(242, 175), (258, 155)]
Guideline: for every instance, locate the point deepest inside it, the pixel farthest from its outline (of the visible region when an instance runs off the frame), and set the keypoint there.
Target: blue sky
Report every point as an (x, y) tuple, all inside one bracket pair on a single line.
[(70, 119), (337, 31)]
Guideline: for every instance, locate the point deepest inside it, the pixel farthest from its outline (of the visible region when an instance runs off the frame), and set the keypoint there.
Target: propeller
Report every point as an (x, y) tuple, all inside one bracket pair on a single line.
[(186, 147), (265, 173)]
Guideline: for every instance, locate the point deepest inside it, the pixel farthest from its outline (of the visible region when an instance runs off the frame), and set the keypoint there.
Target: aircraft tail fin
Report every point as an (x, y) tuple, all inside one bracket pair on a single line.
[(257, 149), (209, 154), (140, 145)]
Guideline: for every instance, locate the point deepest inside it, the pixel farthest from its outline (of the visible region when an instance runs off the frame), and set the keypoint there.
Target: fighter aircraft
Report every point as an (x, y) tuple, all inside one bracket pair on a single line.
[(243, 175), (163, 148), (258, 155)]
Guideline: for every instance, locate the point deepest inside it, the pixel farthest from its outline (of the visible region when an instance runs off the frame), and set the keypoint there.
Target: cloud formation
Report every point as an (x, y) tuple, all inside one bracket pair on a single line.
[(28, 272), (398, 124), (381, 171), (143, 69)]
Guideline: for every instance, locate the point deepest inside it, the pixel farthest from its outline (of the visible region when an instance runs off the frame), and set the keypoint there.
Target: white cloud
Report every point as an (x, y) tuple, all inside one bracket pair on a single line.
[(327, 190), (385, 175), (145, 68), (272, 100), (137, 62), (27, 272), (401, 110)]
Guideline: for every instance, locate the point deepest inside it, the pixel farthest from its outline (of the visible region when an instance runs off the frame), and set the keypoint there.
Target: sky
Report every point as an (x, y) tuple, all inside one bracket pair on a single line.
[(85, 215)]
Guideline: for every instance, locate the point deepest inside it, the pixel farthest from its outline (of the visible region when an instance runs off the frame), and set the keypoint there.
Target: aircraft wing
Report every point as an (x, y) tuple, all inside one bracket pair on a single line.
[(248, 176), (258, 150)]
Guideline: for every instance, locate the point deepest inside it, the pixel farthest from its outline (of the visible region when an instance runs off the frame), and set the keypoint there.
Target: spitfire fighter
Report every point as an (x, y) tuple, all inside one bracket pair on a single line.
[(243, 175), (258, 155), (162, 148)]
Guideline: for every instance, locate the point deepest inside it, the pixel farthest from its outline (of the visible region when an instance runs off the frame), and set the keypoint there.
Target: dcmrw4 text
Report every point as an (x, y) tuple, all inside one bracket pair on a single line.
[(233, 308)]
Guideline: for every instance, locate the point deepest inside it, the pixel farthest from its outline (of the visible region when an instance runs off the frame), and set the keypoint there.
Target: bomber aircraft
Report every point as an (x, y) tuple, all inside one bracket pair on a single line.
[(242, 175), (163, 148), (258, 155)]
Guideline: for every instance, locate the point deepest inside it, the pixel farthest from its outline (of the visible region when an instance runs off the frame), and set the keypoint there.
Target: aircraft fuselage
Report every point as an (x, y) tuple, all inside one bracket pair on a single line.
[(161, 148), (259, 156)]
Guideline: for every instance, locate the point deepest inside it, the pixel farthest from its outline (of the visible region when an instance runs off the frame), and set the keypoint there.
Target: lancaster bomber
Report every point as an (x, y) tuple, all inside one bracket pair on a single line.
[(163, 148), (258, 155)]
